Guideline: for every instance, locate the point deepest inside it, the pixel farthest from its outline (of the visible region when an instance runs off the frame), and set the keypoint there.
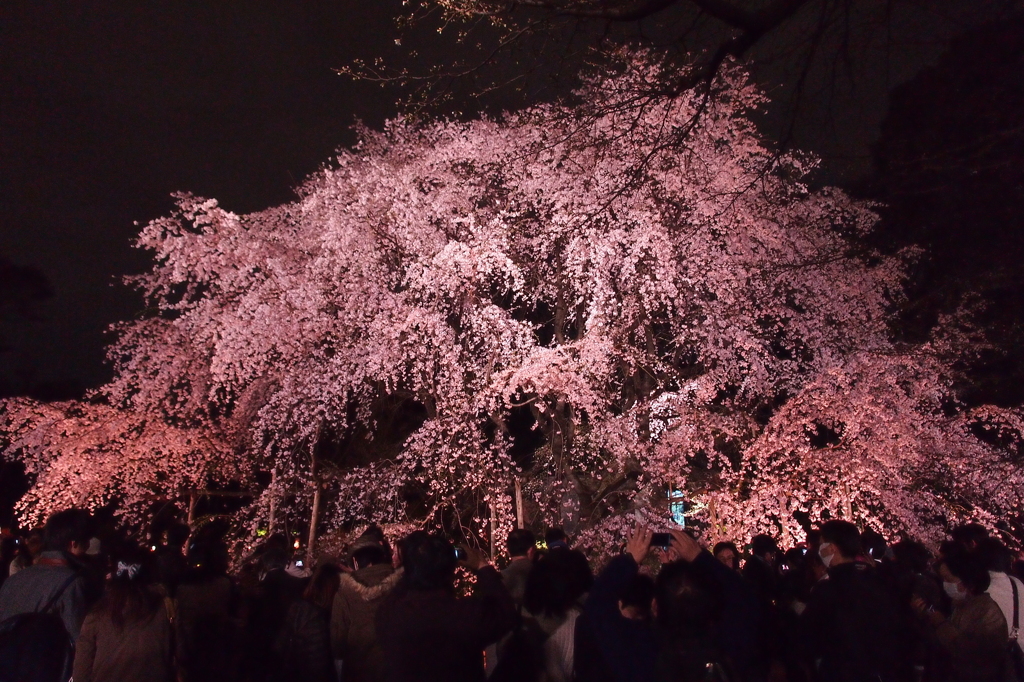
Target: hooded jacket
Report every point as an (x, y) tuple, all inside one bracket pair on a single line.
[(353, 635)]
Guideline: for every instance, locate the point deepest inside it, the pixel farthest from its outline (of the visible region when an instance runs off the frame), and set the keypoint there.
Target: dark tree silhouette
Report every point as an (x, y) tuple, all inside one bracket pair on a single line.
[(949, 171)]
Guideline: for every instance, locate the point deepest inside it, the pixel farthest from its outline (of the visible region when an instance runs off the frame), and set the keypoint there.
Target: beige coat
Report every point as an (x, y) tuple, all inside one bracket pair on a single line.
[(138, 652)]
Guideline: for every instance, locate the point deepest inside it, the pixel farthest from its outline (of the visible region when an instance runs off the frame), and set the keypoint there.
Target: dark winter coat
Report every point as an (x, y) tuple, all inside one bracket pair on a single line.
[(853, 630), (739, 632), (431, 635), (627, 648), (268, 609), (303, 647), (353, 633), (207, 632)]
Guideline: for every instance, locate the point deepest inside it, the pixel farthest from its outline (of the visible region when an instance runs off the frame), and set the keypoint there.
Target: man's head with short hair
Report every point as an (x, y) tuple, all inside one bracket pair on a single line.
[(844, 537), (688, 602), (912, 556), (966, 567), (763, 546), (556, 537), (556, 582), (969, 535), (636, 597), (874, 544), (67, 531), (520, 542), (429, 561)]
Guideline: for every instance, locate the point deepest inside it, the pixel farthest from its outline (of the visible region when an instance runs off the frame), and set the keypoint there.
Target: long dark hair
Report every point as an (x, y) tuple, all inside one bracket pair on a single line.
[(556, 581), (129, 597), (323, 586)]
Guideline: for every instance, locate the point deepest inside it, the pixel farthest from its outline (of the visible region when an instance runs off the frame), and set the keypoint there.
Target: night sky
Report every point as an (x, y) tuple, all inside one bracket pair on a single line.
[(109, 107)]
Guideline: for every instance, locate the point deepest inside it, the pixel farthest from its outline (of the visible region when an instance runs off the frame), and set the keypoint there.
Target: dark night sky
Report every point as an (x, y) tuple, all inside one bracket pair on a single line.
[(109, 107)]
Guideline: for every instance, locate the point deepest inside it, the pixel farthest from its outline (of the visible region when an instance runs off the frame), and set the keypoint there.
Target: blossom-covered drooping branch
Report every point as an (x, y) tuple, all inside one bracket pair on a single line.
[(80, 454)]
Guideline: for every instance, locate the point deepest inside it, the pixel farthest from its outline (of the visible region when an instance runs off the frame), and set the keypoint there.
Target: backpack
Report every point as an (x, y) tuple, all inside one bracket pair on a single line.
[(35, 646)]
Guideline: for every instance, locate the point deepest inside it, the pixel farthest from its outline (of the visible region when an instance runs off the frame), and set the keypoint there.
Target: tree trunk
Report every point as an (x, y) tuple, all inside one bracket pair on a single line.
[(273, 502), (519, 505), (847, 502), (314, 517), (494, 524)]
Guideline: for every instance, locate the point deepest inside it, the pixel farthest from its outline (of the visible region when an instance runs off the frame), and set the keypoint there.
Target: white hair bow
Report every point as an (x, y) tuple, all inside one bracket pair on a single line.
[(131, 570)]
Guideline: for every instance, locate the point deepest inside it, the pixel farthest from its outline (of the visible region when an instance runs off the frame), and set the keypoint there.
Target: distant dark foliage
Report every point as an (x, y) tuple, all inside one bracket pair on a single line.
[(949, 169)]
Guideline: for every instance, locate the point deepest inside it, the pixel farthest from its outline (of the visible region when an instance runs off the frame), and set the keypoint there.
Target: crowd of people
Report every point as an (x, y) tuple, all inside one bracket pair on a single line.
[(841, 606)]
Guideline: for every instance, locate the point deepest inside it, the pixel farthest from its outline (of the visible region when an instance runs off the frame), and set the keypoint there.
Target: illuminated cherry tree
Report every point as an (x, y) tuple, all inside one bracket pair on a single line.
[(556, 302), (87, 455)]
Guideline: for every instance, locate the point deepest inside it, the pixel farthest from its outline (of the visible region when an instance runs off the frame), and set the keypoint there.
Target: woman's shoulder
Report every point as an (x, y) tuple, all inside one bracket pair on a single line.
[(985, 613)]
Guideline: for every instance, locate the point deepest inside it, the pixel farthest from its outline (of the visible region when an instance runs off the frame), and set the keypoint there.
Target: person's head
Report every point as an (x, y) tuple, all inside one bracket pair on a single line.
[(688, 602), (278, 542), (520, 543), (323, 586), (67, 531), (34, 543), (840, 543), (962, 574), (874, 544), (795, 559), (177, 535), (370, 549), (969, 535), (911, 556), (128, 597), (764, 546), (728, 554), (555, 538), (636, 597), (994, 555), (556, 581), (429, 561)]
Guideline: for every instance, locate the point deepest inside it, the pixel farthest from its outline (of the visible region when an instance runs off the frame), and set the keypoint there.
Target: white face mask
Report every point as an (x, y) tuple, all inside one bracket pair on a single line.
[(955, 592), (826, 558)]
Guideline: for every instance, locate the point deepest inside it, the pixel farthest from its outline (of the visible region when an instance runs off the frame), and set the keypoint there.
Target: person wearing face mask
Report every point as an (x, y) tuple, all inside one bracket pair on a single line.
[(852, 629), (974, 636)]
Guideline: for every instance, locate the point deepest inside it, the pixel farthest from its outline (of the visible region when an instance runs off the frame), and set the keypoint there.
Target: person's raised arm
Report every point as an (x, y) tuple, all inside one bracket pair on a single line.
[(620, 570)]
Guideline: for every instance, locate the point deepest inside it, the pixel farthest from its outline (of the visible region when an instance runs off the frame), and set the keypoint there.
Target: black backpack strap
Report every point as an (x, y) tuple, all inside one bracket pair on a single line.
[(1016, 610), (59, 593)]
